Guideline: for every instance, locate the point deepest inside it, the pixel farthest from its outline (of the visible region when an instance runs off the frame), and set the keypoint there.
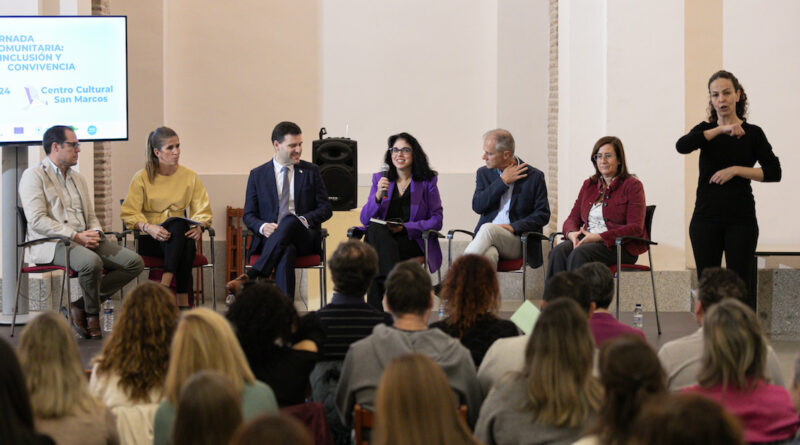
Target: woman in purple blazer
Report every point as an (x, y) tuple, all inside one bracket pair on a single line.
[(407, 197)]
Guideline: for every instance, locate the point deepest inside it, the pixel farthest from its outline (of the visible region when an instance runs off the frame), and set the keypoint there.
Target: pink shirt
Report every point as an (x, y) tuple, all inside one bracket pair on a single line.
[(605, 327), (766, 412)]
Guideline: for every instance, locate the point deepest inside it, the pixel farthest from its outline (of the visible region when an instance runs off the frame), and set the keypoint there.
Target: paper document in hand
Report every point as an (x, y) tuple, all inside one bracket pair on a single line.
[(391, 222)]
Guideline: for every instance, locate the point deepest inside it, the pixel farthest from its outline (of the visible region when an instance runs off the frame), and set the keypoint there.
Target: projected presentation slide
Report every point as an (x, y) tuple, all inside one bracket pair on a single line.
[(63, 70)]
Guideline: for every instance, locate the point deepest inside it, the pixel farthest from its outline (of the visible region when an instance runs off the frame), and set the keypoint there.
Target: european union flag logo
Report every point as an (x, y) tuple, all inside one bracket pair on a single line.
[(19, 130)]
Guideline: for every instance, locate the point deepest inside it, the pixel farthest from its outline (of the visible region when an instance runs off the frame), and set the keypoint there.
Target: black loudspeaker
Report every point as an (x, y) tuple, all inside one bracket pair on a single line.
[(337, 159)]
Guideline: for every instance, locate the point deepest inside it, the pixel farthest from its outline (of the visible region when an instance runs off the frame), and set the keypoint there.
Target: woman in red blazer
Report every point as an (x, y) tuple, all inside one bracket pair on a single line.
[(610, 204)]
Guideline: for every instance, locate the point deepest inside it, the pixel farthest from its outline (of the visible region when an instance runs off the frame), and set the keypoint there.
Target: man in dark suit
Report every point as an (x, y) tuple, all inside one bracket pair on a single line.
[(511, 198), (285, 206)]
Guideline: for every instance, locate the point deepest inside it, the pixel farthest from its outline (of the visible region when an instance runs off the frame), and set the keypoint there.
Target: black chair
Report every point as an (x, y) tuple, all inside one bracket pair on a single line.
[(517, 265), (318, 261)]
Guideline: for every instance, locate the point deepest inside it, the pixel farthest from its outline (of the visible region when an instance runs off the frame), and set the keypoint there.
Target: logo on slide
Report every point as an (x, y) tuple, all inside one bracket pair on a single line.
[(91, 130), (33, 98), (19, 130)]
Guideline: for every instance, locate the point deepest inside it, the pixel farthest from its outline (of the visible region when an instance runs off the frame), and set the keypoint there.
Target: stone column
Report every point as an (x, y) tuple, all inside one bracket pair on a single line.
[(552, 121)]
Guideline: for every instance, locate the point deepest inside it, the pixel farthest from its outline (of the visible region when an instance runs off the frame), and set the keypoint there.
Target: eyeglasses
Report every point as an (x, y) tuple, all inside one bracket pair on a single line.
[(72, 144), (599, 156), (398, 150)]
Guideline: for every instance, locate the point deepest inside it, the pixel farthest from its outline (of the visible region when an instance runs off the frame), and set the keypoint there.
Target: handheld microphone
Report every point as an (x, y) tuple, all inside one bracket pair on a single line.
[(384, 174)]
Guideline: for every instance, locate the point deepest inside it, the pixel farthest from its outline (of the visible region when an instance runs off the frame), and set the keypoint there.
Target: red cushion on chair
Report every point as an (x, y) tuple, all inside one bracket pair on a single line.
[(299, 263), (46, 268), (152, 262), (509, 265), (613, 268)]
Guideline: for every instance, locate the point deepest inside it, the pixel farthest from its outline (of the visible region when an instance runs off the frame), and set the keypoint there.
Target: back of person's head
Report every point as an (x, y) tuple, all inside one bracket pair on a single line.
[(414, 397), (631, 375), (273, 429), (262, 316), (56, 134), (208, 410), (558, 366), (205, 340), (600, 281), (734, 348), (284, 128), (717, 284), (470, 291), (137, 351), (408, 288), (569, 285), (686, 419), (16, 421), (353, 265), (50, 361)]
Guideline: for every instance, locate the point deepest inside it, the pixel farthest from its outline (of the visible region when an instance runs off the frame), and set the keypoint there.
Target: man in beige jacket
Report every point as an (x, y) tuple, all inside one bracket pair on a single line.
[(56, 202)]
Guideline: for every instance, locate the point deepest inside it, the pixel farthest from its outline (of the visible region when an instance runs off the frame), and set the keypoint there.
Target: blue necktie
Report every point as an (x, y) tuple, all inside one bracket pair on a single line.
[(283, 206)]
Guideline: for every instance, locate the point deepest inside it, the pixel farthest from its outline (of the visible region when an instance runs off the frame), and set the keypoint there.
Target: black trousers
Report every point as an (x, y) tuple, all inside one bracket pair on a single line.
[(564, 257), (178, 253), (289, 240), (737, 240), (392, 248)]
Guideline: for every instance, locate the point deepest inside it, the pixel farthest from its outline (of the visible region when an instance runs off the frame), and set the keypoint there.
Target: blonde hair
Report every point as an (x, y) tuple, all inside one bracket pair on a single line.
[(155, 140), (561, 389), (205, 340), (734, 349), (414, 397), (50, 361)]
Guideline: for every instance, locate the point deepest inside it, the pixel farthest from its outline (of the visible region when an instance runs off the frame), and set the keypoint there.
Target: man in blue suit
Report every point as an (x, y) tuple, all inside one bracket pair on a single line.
[(285, 206), (511, 198)]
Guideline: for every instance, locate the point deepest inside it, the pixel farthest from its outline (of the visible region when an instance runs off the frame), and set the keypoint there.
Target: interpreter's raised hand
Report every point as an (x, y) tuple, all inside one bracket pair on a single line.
[(194, 233), (89, 239), (734, 130), (588, 237), (513, 174), (157, 232), (724, 175), (268, 228), (382, 188)]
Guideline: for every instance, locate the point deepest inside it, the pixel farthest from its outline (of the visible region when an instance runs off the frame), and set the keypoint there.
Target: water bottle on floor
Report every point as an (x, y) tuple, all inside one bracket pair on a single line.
[(108, 315), (638, 316)]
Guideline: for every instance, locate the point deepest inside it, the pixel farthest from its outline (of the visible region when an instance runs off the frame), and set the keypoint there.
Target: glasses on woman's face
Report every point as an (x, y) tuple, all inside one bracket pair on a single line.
[(607, 156), (398, 150)]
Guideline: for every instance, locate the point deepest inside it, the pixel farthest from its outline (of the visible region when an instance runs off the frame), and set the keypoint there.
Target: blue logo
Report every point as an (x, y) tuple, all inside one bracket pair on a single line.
[(92, 129)]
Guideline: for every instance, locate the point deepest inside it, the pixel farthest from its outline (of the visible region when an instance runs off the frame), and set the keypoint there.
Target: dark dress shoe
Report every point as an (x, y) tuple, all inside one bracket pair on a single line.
[(93, 326), (78, 320), (234, 285)]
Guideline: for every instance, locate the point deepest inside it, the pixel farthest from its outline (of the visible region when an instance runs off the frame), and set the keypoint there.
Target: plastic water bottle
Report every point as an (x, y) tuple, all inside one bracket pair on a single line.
[(108, 315), (442, 314), (638, 316)]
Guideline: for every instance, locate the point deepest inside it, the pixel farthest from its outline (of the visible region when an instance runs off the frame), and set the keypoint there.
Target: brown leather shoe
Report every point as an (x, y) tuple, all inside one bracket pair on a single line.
[(93, 326), (78, 316), (234, 285)]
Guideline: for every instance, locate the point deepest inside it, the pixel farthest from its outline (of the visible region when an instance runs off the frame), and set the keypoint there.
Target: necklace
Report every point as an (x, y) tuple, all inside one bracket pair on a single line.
[(402, 188)]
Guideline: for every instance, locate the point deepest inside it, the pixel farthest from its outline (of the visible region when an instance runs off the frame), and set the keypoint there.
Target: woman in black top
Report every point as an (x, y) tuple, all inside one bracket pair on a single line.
[(724, 218), (281, 347), (471, 297)]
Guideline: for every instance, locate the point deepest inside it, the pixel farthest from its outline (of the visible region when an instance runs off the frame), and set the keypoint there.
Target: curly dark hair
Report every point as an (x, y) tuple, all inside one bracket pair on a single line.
[(420, 169), (741, 106), (470, 292), (262, 315), (138, 348)]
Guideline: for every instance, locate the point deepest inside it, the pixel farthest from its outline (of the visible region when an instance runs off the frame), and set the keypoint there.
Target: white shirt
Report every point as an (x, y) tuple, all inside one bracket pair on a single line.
[(597, 224), (279, 186)]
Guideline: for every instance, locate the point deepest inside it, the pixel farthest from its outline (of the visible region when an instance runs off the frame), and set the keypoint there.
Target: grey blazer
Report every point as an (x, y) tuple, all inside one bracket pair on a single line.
[(42, 199)]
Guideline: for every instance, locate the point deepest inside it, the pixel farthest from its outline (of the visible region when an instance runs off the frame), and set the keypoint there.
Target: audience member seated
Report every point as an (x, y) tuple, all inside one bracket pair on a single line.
[(162, 190), (409, 297), (681, 357), (16, 423), (555, 396), (412, 213), (347, 319), (273, 429), (603, 325), (686, 419), (205, 341), (128, 374), (471, 297), (209, 410), (280, 346), (63, 407), (508, 354), (733, 374), (415, 406), (631, 375)]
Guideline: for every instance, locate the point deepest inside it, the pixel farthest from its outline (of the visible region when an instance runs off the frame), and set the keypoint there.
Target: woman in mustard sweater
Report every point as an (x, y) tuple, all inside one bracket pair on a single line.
[(164, 189)]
